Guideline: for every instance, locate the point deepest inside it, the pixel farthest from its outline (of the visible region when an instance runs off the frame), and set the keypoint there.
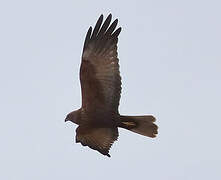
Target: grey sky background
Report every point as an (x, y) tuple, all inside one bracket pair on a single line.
[(170, 62)]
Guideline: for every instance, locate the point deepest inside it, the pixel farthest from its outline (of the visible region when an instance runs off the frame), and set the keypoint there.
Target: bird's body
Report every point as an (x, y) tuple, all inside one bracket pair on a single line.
[(98, 118)]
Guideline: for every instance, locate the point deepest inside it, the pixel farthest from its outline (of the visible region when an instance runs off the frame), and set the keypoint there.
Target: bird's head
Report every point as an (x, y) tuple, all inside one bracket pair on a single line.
[(73, 116)]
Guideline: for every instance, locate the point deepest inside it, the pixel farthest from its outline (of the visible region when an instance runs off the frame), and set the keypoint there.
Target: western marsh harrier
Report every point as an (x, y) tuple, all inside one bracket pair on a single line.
[(98, 118)]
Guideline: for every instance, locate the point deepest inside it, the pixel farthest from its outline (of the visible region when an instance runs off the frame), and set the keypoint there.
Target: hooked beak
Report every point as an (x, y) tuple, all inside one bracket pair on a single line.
[(66, 119)]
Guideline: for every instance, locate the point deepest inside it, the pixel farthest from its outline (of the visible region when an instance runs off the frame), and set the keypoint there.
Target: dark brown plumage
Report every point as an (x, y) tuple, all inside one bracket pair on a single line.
[(98, 118)]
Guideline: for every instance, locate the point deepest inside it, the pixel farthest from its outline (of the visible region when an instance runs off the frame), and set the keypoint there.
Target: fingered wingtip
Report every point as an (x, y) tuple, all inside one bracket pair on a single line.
[(101, 17), (108, 155), (115, 21), (109, 16), (117, 32)]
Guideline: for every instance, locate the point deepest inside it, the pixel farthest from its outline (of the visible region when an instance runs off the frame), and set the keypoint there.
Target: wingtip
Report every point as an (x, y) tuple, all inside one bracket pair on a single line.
[(117, 32), (100, 19), (101, 16), (109, 16), (115, 21), (108, 155)]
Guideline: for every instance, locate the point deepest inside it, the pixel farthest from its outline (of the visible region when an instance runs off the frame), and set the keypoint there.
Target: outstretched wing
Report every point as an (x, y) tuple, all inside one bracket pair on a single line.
[(99, 73), (100, 139)]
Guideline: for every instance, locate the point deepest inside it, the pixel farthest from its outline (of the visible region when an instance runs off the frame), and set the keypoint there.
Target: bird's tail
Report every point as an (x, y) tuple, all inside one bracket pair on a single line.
[(143, 125)]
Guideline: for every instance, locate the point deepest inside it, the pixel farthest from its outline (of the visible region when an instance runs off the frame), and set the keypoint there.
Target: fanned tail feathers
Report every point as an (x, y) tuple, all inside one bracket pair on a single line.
[(143, 125)]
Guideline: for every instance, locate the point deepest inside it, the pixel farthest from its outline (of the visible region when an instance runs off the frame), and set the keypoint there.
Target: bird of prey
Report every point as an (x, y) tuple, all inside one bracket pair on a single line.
[(98, 118)]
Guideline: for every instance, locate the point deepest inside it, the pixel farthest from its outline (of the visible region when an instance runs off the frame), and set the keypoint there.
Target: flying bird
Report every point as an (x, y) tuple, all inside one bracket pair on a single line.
[(98, 118)]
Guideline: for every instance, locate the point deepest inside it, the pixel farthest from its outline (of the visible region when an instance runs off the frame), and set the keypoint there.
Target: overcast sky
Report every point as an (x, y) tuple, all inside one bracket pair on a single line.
[(170, 63)]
